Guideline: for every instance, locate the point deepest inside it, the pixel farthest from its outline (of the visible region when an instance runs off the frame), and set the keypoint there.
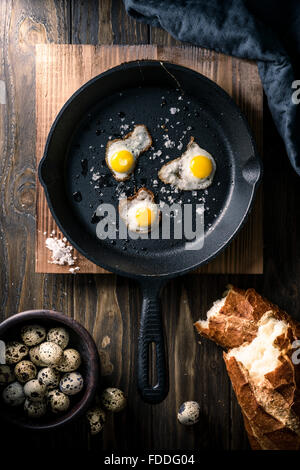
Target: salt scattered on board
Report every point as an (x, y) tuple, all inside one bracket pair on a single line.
[(62, 254)]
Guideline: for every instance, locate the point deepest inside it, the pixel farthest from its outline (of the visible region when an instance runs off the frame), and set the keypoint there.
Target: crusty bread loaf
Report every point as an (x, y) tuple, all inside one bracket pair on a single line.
[(259, 337)]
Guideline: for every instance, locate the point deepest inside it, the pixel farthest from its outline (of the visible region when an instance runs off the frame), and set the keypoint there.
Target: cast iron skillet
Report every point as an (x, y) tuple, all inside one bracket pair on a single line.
[(107, 107)]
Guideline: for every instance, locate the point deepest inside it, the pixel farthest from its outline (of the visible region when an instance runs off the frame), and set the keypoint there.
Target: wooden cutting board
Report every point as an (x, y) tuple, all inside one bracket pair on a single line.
[(62, 69)]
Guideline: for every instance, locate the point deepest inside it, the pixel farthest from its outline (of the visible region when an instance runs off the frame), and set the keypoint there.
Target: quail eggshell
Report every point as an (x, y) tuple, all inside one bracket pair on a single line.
[(113, 399), (189, 413), (15, 351), (6, 374), (35, 409), (96, 419), (33, 334), (49, 377), (34, 354), (71, 361), (24, 371), (34, 390), (58, 401), (71, 383), (58, 335), (50, 353), (13, 394)]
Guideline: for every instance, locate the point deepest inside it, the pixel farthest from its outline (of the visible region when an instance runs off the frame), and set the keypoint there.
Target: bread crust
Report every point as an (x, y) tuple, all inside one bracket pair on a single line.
[(265, 430), (271, 407), (237, 320)]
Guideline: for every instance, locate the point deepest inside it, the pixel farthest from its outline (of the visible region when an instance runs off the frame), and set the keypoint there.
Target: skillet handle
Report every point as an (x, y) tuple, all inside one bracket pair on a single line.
[(151, 335)]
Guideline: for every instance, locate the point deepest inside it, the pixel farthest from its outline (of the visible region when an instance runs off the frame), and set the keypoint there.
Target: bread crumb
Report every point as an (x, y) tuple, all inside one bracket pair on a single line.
[(105, 341)]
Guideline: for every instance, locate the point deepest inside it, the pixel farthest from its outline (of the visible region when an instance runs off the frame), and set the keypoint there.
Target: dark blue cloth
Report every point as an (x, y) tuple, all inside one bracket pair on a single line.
[(267, 31)]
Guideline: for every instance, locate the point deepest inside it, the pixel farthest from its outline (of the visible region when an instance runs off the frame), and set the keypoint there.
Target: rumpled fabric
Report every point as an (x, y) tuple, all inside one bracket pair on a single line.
[(267, 31)]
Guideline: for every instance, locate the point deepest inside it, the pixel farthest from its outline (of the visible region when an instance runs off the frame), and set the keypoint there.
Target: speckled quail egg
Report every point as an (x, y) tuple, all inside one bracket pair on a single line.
[(113, 399), (71, 361), (71, 383), (122, 154), (24, 371), (33, 334), (13, 394), (58, 401), (34, 390), (96, 419), (50, 353), (193, 170), (14, 352), (58, 335), (189, 413), (6, 374), (49, 377), (34, 354), (35, 409)]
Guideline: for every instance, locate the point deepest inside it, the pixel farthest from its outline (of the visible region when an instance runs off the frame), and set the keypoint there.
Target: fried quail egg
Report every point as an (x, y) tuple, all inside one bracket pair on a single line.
[(122, 154), (194, 170), (139, 212)]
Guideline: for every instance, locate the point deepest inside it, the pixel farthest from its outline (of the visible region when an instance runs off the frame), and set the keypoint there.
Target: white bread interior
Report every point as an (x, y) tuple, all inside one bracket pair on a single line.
[(212, 312), (261, 356)]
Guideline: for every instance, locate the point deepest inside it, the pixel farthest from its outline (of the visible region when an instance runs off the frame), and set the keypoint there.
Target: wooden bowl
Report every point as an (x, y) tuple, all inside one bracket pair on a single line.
[(81, 340)]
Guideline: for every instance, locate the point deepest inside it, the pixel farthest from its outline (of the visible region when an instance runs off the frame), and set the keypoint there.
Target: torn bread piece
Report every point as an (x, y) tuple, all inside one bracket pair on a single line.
[(233, 320), (259, 338), (121, 154)]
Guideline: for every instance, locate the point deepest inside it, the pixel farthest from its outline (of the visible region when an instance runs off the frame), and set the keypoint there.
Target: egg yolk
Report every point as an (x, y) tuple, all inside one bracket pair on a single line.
[(201, 166), (144, 216), (122, 161)]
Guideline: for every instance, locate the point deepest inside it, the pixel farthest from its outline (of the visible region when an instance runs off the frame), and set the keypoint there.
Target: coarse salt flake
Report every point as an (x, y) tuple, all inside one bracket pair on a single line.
[(61, 252)]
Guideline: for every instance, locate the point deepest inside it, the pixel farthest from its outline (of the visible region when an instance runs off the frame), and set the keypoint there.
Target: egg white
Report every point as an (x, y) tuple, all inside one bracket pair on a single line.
[(178, 172), (136, 142), (128, 207)]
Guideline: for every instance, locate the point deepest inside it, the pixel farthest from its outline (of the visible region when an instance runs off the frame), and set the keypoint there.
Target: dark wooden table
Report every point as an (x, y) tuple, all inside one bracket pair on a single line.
[(24, 23)]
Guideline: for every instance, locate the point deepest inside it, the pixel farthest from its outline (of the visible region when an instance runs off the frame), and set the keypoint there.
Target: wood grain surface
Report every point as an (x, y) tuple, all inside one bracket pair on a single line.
[(107, 305), (62, 69)]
